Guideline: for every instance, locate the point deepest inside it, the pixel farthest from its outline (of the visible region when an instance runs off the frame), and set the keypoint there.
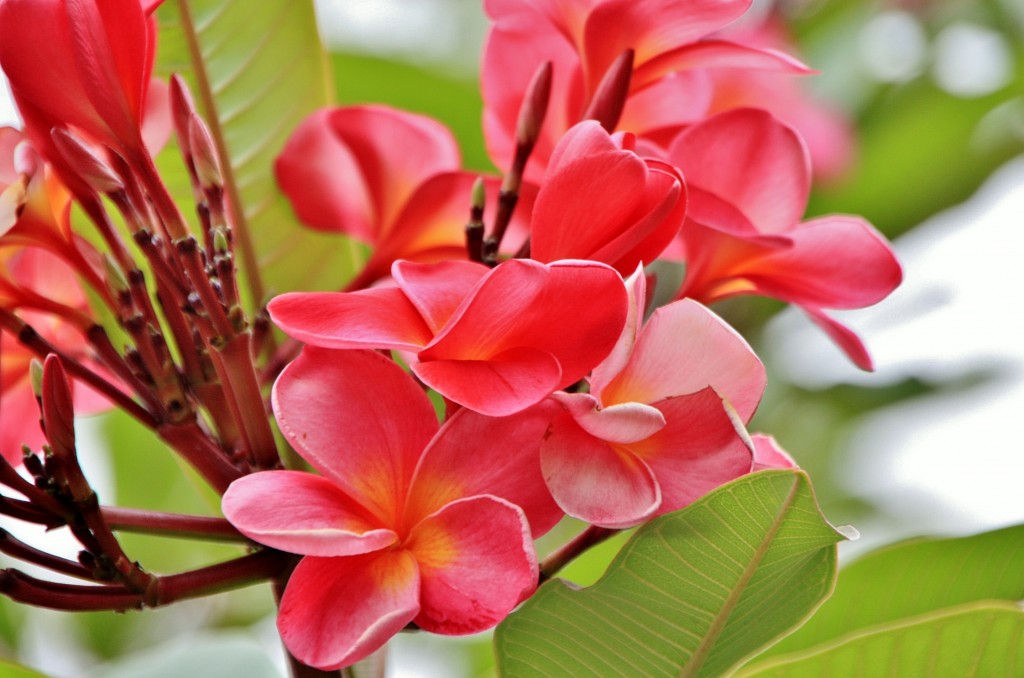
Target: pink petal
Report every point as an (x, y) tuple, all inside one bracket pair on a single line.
[(476, 564), (600, 202), (636, 288), (302, 513), (650, 28), (595, 481), (683, 349), (432, 225), (360, 420), (680, 99), (698, 450), (768, 454), (396, 152), (323, 179), (375, 318), (473, 454), (437, 290), (524, 304), (502, 384), (844, 337), (337, 611), (482, 326), (835, 261), (715, 54), (750, 160), (622, 423)]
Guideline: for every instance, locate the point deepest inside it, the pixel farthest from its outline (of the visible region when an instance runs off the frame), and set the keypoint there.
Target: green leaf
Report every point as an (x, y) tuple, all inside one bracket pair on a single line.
[(691, 594), (257, 69), (916, 577), (979, 639), (11, 670)]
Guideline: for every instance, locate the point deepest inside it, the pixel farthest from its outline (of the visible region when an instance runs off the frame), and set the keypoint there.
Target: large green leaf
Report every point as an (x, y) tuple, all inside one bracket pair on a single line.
[(979, 639), (916, 577), (257, 69), (692, 593)]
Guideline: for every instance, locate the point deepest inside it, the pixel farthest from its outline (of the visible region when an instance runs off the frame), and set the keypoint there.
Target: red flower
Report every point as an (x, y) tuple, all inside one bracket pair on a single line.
[(662, 423), (582, 39), (494, 340), (749, 177), (407, 523), (385, 177)]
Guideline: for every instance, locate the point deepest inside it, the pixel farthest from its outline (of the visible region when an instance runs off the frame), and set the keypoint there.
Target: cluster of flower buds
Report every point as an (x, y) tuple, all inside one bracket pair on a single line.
[(167, 292), (566, 389)]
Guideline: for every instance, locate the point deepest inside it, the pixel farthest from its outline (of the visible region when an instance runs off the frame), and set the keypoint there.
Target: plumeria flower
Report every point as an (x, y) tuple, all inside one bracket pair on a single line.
[(494, 340), (749, 178), (669, 86), (406, 523), (385, 177), (662, 423), (601, 201)]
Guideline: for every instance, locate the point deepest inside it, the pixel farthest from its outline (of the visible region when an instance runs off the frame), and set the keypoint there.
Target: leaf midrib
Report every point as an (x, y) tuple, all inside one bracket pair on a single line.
[(718, 624)]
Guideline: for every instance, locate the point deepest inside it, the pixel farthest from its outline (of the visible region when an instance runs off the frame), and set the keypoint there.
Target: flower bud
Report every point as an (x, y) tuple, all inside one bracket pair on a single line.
[(58, 408), (204, 153), (182, 109), (85, 163), (610, 97), (535, 107), (35, 371)]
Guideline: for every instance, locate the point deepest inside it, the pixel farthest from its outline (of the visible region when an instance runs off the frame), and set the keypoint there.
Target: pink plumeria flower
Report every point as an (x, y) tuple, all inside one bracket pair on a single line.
[(494, 340), (601, 201), (583, 38), (407, 523), (384, 177), (662, 424), (749, 178)]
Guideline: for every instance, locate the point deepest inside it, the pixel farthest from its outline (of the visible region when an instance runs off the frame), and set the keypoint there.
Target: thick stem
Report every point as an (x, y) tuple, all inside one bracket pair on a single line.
[(22, 551), (231, 574), (192, 443), (234, 362), (170, 524)]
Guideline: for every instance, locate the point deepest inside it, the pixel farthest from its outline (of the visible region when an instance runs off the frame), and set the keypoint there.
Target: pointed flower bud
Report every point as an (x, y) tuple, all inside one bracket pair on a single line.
[(478, 195), (35, 371), (204, 153), (182, 109), (85, 163), (610, 97), (58, 410), (534, 107), (220, 241)]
